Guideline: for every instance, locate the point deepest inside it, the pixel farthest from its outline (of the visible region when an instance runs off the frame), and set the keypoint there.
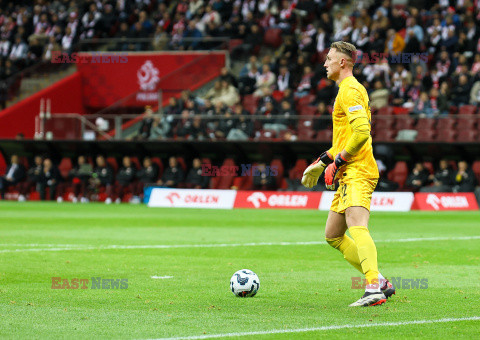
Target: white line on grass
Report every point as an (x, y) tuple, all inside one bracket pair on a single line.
[(323, 328), (223, 245), (162, 277)]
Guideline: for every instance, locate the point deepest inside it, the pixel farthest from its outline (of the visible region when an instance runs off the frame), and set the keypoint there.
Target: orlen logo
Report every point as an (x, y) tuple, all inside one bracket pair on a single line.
[(148, 76), (447, 201), (278, 200), (172, 197), (383, 201), (256, 198)]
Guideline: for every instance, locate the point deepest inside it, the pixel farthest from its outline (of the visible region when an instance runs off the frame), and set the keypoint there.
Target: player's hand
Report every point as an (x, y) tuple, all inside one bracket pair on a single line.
[(314, 170), (332, 170)]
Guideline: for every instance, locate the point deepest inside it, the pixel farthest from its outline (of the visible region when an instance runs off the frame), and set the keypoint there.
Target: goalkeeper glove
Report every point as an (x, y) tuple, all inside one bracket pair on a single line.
[(314, 170), (332, 170)]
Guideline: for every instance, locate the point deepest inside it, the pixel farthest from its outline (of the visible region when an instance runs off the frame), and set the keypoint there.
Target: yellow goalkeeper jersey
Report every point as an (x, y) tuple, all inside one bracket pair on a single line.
[(352, 102)]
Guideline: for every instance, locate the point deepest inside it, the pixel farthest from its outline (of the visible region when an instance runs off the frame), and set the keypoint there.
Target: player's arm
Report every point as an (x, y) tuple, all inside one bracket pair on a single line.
[(352, 104)]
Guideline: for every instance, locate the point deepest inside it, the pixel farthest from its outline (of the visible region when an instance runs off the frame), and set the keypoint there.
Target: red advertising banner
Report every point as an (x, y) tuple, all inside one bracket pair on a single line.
[(139, 76), (445, 201), (277, 200)]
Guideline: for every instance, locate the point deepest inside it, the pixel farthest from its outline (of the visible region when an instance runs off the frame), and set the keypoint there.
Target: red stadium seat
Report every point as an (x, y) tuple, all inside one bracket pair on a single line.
[(467, 136), (404, 123), (399, 110), (305, 134), (467, 110), (399, 173), (278, 166), (297, 171), (306, 100), (446, 123), (466, 123), (446, 135), (308, 110), (112, 161), (65, 166), (158, 162), (273, 37), (425, 136), (324, 135), (385, 111), (135, 162), (226, 182), (384, 135), (267, 135), (476, 170), (429, 167), (182, 163), (384, 123), (425, 124)]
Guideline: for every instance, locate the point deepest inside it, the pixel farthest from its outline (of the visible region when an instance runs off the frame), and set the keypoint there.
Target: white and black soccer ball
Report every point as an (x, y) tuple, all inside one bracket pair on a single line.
[(244, 283)]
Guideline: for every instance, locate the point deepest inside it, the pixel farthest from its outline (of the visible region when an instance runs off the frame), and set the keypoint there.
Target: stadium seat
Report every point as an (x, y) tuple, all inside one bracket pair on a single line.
[(226, 182), (466, 123), (278, 95), (467, 136), (385, 111), (324, 135), (404, 123), (385, 135), (399, 173), (267, 135), (297, 171), (135, 162), (453, 165), (384, 123), (273, 37), (429, 167), (158, 162), (446, 135), (234, 43), (476, 170), (65, 166), (112, 161), (278, 165), (425, 124), (446, 123), (183, 164), (425, 136), (306, 100), (305, 134), (467, 110), (308, 110), (399, 110)]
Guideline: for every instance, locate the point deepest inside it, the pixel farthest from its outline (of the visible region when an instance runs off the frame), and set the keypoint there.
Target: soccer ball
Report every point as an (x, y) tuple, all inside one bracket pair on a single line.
[(244, 283)]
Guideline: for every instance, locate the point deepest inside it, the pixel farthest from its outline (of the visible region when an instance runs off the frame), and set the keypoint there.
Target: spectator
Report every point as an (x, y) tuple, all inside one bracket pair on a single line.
[(19, 50), (322, 119), (226, 74), (461, 92), (252, 41), (228, 94), (262, 178), (161, 127), (284, 80), (384, 184), (15, 173), (49, 178), (379, 97), (215, 92), (418, 178), (264, 81), (146, 175), (242, 128), (423, 106), (125, 177), (305, 85), (33, 177), (173, 175), (464, 179), (443, 179), (146, 125), (102, 178), (81, 175), (195, 178), (394, 43), (443, 99)]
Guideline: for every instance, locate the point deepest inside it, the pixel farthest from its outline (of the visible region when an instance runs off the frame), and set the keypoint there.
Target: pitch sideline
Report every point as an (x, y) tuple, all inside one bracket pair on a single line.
[(323, 328), (224, 245)]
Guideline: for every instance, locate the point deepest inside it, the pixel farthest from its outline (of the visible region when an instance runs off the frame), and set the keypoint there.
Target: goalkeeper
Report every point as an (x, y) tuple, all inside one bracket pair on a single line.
[(350, 162)]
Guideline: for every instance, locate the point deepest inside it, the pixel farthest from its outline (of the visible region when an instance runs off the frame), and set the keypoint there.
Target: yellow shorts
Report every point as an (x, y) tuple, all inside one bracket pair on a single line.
[(353, 192)]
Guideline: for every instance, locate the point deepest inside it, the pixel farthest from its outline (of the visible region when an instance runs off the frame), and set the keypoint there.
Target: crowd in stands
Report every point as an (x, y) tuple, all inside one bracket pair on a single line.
[(86, 179), (423, 57)]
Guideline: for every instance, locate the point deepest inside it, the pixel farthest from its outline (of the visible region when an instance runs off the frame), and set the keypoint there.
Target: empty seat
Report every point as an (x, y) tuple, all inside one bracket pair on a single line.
[(112, 161), (267, 134), (384, 123), (404, 123), (277, 165), (429, 167), (466, 123), (385, 111), (297, 171), (446, 135), (425, 135), (158, 162), (384, 135), (324, 135), (476, 170), (467, 110), (446, 123), (305, 133), (306, 100), (273, 37), (308, 110), (425, 123), (65, 166), (399, 173), (467, 136)]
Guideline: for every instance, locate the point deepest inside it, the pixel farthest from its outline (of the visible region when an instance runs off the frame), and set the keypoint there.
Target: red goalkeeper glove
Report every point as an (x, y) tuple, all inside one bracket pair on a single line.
[(332, 170)]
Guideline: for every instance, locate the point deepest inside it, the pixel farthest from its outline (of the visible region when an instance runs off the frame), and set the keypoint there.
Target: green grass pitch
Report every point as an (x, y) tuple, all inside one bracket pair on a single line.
[(303, 286)]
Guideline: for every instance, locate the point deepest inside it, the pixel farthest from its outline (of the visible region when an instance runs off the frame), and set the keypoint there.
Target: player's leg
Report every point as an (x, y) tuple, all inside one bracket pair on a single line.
[(336, 237)]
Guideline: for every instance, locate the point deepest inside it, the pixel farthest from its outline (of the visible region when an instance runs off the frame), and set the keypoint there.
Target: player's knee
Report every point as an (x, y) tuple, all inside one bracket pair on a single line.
[(334, 241)]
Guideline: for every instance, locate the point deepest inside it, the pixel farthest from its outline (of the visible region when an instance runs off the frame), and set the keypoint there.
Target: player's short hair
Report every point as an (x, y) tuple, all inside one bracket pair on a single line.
[(346, 48)]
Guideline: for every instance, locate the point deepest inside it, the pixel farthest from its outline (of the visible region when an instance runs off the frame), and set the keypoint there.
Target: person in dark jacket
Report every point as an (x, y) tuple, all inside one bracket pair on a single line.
[(15, 174), (102, 177), (418, 178), (464, 178), (173, 175), (49, 178), (443, 179), (263, 179), (195, 178), (147, 174), (146, 125), (80, 177), (33, 177), (125, 177)]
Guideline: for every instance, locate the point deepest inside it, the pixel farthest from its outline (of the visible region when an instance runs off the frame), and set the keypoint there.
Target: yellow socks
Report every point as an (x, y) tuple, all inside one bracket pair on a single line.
[(348, 248), (367, 252)]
